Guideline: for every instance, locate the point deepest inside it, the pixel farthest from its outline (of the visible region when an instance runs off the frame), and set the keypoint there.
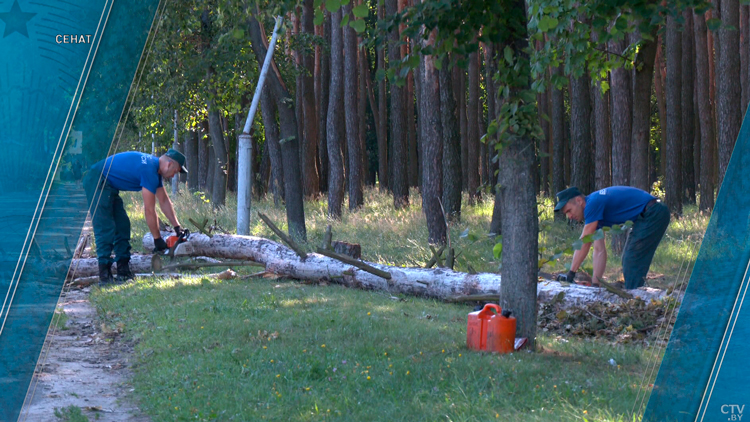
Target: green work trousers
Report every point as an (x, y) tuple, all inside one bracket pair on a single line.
[(110, 221), (648, 229)]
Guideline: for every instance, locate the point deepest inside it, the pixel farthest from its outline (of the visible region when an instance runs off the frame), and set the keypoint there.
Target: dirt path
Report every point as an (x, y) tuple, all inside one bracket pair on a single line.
[(83, 367)]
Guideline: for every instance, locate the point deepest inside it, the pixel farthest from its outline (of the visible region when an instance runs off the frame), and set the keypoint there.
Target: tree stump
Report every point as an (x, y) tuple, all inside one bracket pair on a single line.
[(353, 250)]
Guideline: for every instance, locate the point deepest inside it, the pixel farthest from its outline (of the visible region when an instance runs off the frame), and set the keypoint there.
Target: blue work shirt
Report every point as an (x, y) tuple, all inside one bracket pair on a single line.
[(615, 205), (132, 171)]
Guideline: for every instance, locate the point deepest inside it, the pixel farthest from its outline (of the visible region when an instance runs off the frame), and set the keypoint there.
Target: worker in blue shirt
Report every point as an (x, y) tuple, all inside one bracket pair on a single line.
[(128, 171), (616, 205)]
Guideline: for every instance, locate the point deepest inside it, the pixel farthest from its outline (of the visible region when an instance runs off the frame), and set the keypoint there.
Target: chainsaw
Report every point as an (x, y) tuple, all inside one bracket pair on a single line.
[(172, 242)]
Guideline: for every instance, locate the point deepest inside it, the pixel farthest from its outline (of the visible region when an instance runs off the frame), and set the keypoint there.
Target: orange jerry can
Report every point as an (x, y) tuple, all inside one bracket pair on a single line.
[(491, 330), (501, 335)]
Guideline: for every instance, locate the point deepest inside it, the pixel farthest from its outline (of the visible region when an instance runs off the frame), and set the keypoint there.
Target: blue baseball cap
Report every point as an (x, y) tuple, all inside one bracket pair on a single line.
[(566, 195)]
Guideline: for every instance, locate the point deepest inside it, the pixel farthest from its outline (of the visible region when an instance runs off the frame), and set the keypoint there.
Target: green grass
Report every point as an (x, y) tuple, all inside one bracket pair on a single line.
[(70, 414), (280, 350), (399, 237), (60, 319)]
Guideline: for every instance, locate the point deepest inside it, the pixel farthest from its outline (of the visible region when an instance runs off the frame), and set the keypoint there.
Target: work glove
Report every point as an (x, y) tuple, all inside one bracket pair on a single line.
[(160, 245), (178, 231)]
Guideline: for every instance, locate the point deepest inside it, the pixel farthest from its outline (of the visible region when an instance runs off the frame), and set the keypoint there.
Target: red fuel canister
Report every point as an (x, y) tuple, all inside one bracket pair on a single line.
[(478, 325), (491, 329), (501, 333)]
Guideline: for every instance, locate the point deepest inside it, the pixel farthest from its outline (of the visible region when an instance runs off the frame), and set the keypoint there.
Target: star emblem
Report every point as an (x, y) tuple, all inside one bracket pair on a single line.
[(16, 20)]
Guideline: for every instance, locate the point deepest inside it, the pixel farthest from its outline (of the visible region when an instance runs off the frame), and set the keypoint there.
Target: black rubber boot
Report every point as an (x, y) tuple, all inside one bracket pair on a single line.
[(123, 270), (105, 274)]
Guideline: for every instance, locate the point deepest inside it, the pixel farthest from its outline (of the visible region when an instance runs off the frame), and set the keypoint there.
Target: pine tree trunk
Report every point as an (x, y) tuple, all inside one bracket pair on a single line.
[(232, 154), (621, 118), (411, 91), (674, 118), (496, 222), (362, 111), (203, 157), (661, 103), (481, 123), (557, 117), (271, 128), (219, 191), (431, 144), (309, 139), (696, 129), (566, 162), (602, 138), (463, 125), (383, 117), (294, 194), (728, 90), (323, 98), (416, 92), (351, 105), (451, 146), (492, 107), (542, 105), (191, 156), (582, 160), (335, 115), (702, 82), (211, 174), (375, 109), (643, 75), (472, 130), (263, 175), (714, 40), (688, 115), (399, 183)]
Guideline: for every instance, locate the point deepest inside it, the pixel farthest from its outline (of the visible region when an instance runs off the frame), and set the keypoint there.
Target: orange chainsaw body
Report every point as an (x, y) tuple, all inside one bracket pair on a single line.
[(172, 240)]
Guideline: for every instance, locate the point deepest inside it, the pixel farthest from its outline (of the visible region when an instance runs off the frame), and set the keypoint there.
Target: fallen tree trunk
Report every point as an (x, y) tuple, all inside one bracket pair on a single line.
[(439, 283)]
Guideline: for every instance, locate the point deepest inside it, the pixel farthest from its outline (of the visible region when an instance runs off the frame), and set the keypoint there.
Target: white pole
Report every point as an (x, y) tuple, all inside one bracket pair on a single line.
[(262, 78), (153, 145), (176, 178), (244, 163)]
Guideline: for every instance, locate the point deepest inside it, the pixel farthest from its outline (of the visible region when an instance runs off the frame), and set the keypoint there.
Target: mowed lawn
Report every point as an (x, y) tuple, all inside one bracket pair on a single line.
[(264, 349)]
